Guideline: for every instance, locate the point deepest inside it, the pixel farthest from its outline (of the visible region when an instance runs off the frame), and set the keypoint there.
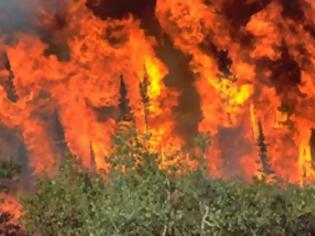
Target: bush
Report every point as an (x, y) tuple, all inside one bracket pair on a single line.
[(136, 197), (9, 171)]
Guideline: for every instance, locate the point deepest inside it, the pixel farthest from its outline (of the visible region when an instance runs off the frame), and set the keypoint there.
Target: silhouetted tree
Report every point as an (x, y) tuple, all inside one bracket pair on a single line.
[(144, 84), (9, 85), (266, 169), (124, 109)]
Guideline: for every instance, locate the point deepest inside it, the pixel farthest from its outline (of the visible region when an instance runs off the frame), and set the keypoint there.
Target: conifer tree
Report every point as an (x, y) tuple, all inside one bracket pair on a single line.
[(124, 109), (144, 84), (125, 119), (264, 161)]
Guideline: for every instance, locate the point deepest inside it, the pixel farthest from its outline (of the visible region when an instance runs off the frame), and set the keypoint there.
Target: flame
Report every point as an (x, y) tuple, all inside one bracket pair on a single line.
[(305, 162), (9, 203)]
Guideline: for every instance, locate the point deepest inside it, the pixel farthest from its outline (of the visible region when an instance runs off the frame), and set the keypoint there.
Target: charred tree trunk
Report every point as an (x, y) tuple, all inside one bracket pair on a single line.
[(9, 83)]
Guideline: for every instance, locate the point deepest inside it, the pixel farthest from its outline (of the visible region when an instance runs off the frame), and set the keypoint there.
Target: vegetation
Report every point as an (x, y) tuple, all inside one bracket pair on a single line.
[(9, 171), (136, 197)]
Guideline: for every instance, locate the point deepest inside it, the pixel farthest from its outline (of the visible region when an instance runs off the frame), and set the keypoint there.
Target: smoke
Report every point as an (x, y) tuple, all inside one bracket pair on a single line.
[(18, 16), (15, 15), (187, 113), (239, 12), (121, 8), (234, 147)]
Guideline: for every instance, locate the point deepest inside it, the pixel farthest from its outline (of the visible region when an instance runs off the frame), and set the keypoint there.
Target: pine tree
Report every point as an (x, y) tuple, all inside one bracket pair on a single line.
[(125, 119), (144, 84), (124, 109), (266, 169)]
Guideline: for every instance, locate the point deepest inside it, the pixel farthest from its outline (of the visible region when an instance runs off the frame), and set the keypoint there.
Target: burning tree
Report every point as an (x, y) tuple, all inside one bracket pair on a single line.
[(9, 85), (8, 173), (144, 84), (265, 170), (7, 227), (124, 108)]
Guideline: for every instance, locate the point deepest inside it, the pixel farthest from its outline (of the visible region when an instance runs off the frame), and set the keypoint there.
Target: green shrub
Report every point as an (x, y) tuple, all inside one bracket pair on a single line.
[(136, 197)]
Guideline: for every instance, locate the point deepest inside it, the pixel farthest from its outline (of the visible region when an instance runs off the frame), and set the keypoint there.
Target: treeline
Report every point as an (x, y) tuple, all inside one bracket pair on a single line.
[(138, 197)]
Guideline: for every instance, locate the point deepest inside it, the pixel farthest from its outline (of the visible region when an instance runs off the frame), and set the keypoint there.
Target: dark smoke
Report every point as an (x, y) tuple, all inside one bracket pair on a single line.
[(118, 9), (187, 113), (180, 77), (239, 12), (15, 16), (21, 15), (285, 77), (292, 9)]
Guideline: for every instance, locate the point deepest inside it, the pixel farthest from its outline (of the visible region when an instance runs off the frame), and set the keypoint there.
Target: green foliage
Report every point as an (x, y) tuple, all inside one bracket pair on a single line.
[(9, 169), (135, 197)]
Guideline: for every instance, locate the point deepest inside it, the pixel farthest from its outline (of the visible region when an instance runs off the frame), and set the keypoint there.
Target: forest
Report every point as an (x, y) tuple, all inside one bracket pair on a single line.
[(146, 193), (157, 117)]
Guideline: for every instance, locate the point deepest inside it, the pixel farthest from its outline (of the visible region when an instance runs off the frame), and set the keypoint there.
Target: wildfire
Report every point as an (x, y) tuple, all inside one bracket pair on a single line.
[(9, 204), (66, 83)]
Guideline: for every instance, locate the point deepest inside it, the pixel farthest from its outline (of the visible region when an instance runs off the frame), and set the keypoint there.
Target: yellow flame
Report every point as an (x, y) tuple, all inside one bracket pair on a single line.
[(156, 76), (305, 160), (233, 93)]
